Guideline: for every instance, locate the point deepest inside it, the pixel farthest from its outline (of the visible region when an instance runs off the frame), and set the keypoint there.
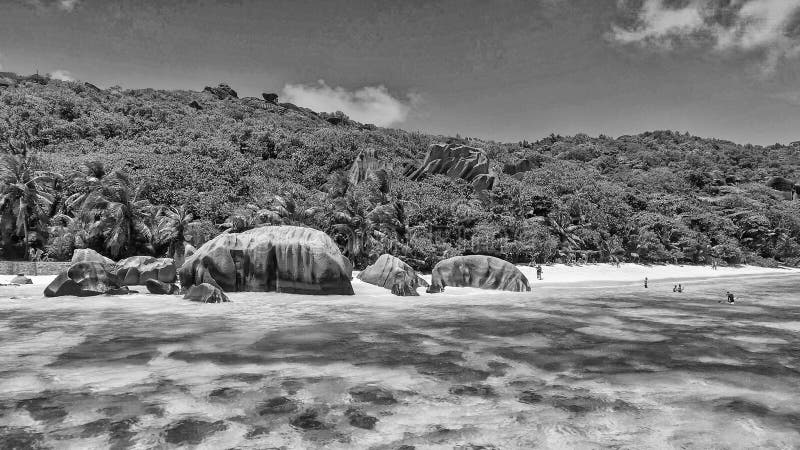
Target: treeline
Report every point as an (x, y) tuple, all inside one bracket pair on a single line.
[(147, 172)]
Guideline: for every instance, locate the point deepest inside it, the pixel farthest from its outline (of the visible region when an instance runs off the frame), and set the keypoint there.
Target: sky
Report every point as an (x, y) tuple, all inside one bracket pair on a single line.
[(506, 70)]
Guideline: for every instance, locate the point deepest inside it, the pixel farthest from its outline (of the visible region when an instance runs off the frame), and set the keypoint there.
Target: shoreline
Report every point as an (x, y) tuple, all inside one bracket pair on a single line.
[(561, 274), (598, 274)]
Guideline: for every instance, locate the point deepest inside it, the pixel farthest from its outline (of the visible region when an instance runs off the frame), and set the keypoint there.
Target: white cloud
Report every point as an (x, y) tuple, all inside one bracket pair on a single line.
[(370, 104), (658, 25), (62, 75), (726, 27), (64, 5), (67, 5)]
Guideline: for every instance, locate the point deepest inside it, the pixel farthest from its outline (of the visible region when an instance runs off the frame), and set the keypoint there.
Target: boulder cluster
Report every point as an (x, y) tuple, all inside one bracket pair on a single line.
[(286, 259), (456, 161)]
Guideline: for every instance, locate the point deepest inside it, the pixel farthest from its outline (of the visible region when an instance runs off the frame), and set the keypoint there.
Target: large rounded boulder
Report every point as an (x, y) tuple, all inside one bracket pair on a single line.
[(137, 270), (206, 293), (85, 279), (89, 255), (477, 271), (393, 274), (271, 258)]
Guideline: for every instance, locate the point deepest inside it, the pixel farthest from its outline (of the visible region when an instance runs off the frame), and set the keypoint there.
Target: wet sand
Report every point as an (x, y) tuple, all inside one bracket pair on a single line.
[(564, 366)]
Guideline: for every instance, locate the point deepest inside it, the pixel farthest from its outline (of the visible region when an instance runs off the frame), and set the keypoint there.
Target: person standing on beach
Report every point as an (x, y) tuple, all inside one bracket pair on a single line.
[(539, 272)]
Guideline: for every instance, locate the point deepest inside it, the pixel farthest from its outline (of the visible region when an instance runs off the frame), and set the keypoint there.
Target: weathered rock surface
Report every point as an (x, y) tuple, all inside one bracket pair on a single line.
[(84, 279), (138, 269), (517, 169), (393, 274), (161, 288), (21, 279), (206, 293), (271, 258), (271, 98), (222, 91), (456, 161), (478, 271), (196, 105), (367, 166), (89, 255)]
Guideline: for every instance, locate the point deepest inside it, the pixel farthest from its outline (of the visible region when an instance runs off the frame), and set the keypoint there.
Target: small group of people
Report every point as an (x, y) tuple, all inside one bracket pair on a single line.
[(677, 288)]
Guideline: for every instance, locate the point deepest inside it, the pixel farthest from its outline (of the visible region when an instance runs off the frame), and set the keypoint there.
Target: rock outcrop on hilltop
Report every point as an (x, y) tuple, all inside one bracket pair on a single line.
[(456, 161), (393, 274), (85, 279), (89, 255), (137, 270), (367, 166), (271, 258), (271, 98), (517, 169), (222, 91), (789, 188), (478, 271)]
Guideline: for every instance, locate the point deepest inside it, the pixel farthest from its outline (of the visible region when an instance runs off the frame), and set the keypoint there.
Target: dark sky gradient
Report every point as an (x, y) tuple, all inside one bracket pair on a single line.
[(505, 69)]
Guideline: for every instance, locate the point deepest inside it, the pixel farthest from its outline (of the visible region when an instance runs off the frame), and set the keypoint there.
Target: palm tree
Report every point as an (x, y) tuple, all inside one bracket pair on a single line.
[(172, 230), (26, 196), (83, 183), (118, 216), (284, 210)]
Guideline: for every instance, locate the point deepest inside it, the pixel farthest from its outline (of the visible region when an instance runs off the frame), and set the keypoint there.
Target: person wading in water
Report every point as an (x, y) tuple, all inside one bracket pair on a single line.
[(645, 282)]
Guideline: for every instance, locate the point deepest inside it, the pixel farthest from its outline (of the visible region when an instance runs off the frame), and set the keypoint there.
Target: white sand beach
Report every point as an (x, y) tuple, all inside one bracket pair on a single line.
[(599, 273)]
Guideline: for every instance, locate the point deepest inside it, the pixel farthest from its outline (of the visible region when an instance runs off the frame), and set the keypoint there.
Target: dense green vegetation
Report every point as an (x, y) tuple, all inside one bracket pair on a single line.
[(141, 172)]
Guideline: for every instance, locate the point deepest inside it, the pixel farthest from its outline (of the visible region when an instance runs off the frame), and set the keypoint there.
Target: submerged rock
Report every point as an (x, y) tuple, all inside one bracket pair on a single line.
[(271, 258), (480, 390), (84, 279), (206, 293), (529, 397), (192, 431), (359, 419), (372, 394), (393, 274), (307, 420), (277, 405), (478, 271), (136, 270)]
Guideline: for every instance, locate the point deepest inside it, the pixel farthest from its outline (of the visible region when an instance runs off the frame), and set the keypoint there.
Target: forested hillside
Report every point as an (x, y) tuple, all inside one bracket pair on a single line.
[(144, 172)]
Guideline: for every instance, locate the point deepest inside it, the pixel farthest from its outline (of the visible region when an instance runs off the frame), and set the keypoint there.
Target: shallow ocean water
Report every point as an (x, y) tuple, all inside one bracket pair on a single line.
[(560, 367)]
